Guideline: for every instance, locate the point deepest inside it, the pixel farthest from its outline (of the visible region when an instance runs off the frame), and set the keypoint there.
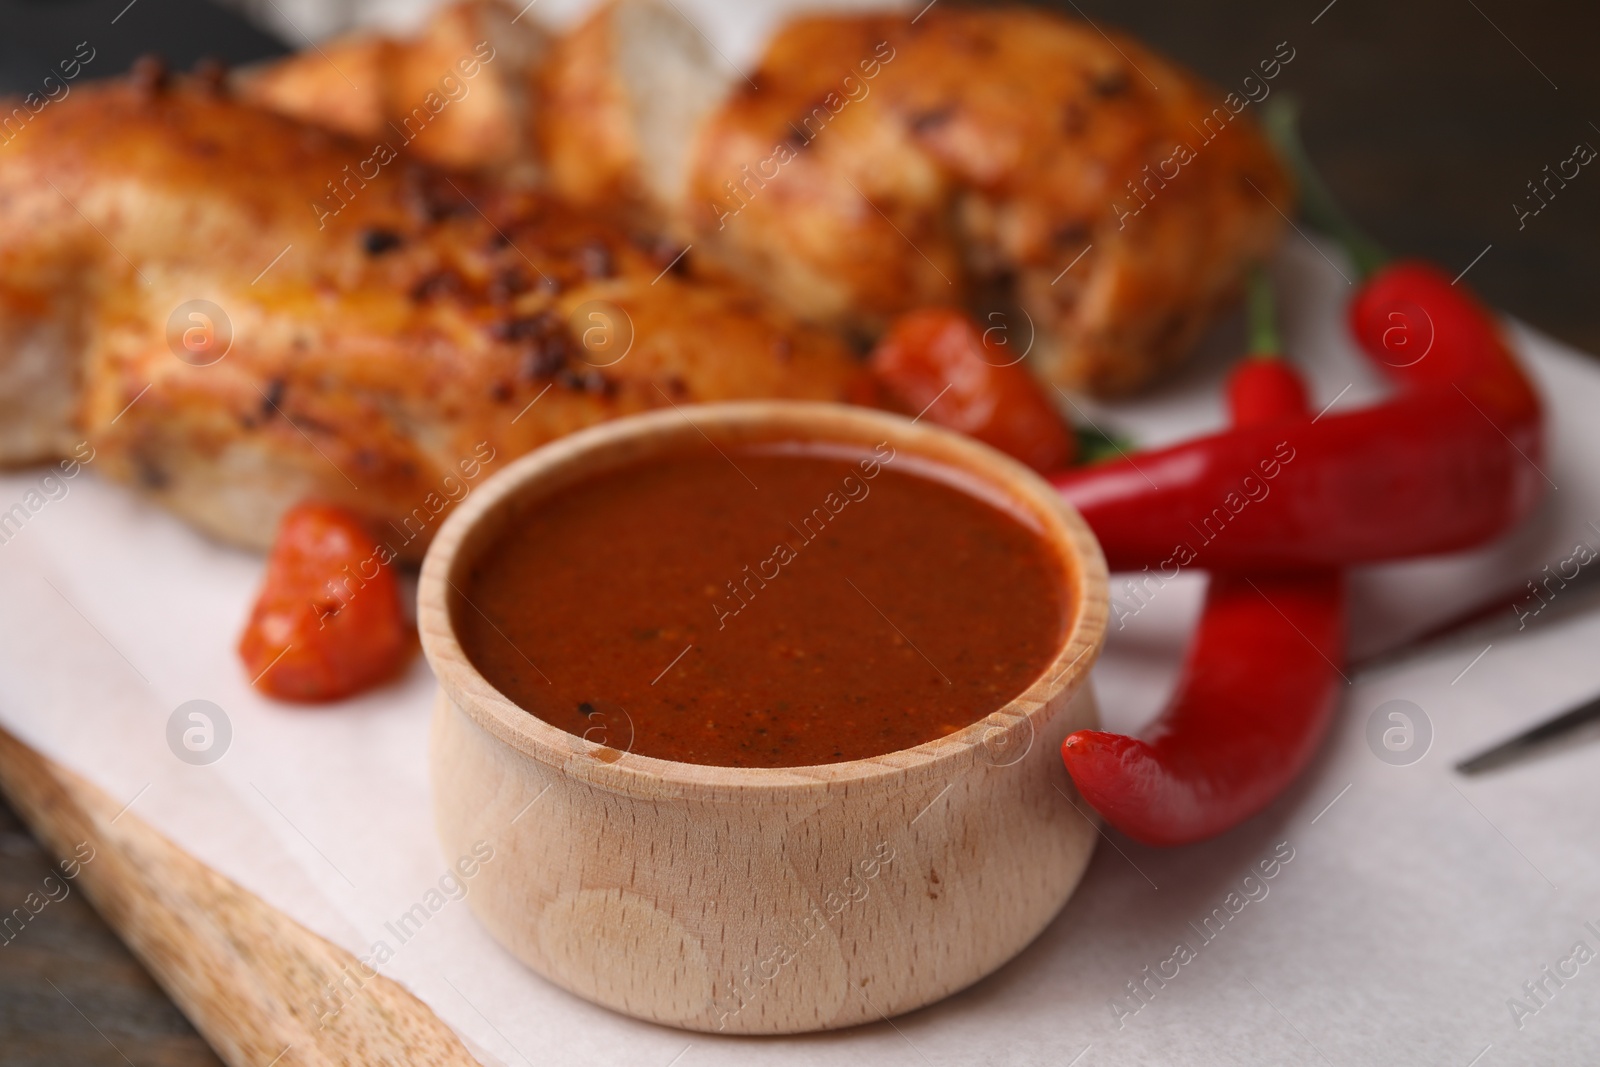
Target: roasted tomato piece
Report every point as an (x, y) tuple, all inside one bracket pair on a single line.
[(328, 621), (936, 362)]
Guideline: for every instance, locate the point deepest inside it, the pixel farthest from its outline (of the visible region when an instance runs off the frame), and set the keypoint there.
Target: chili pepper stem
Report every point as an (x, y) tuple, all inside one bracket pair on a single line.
[(1265, 341), (1281, 118)]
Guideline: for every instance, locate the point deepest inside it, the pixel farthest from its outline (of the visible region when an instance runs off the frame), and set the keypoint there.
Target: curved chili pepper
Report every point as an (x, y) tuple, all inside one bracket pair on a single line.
[(1410, 311), (1449, 463), (1257, 693)]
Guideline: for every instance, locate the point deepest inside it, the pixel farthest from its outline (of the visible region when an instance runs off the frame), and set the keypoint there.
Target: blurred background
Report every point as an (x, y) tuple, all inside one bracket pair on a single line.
[(1429, 119)]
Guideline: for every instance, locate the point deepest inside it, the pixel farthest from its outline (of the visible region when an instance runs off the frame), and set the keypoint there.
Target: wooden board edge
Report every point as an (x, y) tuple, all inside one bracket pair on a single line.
[(260, 988)]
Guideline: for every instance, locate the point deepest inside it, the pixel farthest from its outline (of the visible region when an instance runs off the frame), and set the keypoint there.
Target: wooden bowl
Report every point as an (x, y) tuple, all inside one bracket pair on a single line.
[(767, 900)]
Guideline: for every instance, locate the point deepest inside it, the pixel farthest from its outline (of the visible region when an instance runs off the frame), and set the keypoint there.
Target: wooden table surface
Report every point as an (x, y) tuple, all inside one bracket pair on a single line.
[(1428, 117), (68, 987)]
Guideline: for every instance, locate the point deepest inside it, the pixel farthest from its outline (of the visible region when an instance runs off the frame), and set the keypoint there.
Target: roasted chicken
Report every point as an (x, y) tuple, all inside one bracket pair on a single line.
[(238, 312), (1074, 188), (1009, 159)]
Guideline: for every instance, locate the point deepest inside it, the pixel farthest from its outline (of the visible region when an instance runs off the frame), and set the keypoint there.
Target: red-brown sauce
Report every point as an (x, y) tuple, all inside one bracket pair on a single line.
[(764, 607)]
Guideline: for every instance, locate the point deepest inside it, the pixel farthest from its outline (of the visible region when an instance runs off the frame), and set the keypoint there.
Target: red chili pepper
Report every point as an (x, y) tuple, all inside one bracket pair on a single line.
[(1264, 390), (935, 362), (1447, 465), (1264, 387), (1257, 693), (1254, 701), (1408, 311), (328, 621)]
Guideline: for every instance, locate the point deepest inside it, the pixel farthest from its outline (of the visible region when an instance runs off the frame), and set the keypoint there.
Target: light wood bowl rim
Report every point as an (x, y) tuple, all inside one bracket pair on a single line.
[(639, 775)]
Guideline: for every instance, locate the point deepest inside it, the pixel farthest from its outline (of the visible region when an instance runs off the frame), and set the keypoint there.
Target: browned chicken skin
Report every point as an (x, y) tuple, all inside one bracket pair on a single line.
[(875, 163), (1002, 146), (390, 324)]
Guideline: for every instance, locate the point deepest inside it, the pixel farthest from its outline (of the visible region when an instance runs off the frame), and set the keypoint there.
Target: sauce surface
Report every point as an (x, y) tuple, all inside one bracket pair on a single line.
[(764, 607)]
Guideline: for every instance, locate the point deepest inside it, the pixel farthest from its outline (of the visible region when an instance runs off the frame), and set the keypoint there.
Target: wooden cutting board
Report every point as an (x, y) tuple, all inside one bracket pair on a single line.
[(244, 973)]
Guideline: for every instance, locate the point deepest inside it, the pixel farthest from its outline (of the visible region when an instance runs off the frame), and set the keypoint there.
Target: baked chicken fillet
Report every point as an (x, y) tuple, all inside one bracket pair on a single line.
[(236, 312), (1002, 158)]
